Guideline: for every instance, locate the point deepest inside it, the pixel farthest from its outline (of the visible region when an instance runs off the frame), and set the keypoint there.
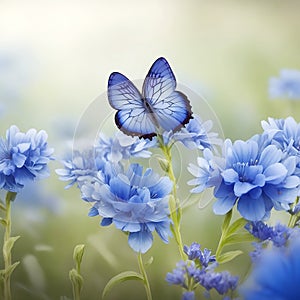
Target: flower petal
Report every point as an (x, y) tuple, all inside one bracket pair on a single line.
[(140, 241)]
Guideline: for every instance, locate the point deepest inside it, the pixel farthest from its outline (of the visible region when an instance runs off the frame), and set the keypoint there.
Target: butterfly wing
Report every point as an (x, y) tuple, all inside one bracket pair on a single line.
[(131, 116), (171, 109)]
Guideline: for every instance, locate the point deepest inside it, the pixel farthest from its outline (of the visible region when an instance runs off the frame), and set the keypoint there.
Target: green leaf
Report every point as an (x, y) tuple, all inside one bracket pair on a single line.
[(8, 271), (78, 254), (239, 238), (3, 222), (124, 276), (76, 279), (226, 221), (164, 164), (236, 225), (8, 245), (2, 206), (228, 256), (149, 261)]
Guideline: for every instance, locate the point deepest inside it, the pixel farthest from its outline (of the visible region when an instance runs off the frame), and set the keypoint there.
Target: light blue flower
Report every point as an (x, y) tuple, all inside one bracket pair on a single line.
[(276, 275), (196, 134), (257, 179), (206, 172), (287, 85), (122, 146), (80, 167), (254, 174), (24, 157), (134, 202), (285, 134)]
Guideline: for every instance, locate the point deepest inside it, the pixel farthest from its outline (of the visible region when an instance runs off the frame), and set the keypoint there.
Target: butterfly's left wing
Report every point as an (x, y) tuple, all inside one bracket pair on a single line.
[(131, 116), (171, 108)]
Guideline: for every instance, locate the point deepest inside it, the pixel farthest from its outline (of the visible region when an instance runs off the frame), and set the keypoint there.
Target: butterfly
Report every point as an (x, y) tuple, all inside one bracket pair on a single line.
[(157, 109)]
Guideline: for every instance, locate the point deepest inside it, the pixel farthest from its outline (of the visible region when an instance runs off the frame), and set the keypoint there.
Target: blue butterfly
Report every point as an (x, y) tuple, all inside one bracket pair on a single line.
[(158, 108)]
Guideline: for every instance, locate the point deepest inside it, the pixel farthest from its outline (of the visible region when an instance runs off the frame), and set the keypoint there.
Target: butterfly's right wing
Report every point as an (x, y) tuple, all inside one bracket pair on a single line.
[(171, 109), (131, 117)]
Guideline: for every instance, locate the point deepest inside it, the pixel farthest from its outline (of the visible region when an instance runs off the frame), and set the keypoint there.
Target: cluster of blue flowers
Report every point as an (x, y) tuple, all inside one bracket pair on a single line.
[(278, 236), (258, 174), (197, 271), (24, 157), (136, 202)]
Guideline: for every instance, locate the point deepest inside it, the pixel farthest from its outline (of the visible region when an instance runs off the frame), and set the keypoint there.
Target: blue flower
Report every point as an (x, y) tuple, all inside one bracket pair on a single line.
[(285, 134), (78, 169), (275, 275), (195, 253), (287, 85), (122, 146), (279, 236), (24, 157), (196, 134), (136, 203), (207, 172), (222, 282), (199, 270), (256, 177), (188, 296)]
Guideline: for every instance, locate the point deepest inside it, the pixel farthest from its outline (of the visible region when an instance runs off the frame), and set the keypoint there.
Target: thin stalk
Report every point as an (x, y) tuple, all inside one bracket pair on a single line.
[(10, 196), (294, 217), (175, 208), (225, 225), (146, 281)]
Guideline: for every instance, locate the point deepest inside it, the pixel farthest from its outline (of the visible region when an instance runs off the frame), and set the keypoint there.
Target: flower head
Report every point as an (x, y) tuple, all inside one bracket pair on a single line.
[(196, 134), (255, 175), (276, 275), (79, 168), (285, 134), (122, 147), (198, 270), (134, 201), (287, 85), (23, 157)]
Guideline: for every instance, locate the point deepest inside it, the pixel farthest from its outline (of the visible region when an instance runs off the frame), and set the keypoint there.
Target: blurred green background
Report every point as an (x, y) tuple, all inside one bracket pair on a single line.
[(55, 59)]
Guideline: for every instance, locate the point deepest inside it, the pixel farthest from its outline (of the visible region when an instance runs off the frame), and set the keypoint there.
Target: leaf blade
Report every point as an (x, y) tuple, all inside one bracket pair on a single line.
[(124, 276)]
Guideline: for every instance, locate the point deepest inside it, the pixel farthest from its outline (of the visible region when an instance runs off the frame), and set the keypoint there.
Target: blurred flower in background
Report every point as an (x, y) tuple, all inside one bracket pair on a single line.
[(16, 66), (276, 275), (287, 85)]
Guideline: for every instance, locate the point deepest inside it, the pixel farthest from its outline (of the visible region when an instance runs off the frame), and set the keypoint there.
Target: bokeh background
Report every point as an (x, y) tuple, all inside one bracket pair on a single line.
[(55, 59)]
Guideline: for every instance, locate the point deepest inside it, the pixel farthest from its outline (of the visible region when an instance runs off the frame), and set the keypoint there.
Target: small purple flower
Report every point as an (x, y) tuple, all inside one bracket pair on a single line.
[(188, 296), (279, 236), (195, 253), (287, 85), (199, 270), (24, 157)]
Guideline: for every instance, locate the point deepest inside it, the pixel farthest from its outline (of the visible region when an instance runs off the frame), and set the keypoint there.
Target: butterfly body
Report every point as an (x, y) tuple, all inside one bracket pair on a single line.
[(158, 108)]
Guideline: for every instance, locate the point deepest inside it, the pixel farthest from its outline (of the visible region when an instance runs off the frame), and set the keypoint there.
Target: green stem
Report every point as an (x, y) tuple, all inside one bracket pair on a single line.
[(174, 203), (146, 281), (10, 196), (294, 217), (225, 226)]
